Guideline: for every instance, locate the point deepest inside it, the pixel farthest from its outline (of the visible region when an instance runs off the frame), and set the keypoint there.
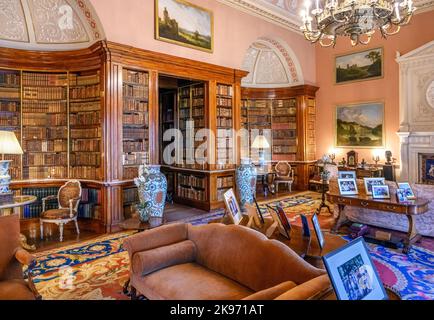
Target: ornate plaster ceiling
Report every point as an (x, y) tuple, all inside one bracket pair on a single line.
[(286, 12), (48, 24)]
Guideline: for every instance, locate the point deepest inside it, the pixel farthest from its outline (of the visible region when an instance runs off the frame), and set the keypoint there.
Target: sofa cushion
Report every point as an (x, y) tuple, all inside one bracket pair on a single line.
[(15, 290), (188, 281), (310, 290), (149, 261), (272, 293)]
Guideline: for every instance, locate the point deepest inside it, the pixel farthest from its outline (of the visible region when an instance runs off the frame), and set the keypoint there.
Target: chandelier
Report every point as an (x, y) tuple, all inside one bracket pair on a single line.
[(356, 19)]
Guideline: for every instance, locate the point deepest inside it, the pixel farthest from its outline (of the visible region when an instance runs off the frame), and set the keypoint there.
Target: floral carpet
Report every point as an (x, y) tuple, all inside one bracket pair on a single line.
[(98, 269)]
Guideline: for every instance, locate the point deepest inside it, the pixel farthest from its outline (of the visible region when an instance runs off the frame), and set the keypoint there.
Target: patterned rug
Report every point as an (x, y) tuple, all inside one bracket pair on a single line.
[(97, 270)]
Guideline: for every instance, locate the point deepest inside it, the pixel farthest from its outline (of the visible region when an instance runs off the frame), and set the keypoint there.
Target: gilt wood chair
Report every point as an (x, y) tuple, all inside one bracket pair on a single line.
[(68, 198), (13, 286), (284, 175)]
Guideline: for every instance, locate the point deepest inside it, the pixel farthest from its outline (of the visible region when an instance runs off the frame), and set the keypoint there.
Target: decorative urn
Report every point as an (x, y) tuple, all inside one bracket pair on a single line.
[(246, 181)]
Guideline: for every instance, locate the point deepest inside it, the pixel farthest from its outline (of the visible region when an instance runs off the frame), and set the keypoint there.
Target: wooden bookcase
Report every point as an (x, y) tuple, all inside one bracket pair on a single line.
[(287, 117)]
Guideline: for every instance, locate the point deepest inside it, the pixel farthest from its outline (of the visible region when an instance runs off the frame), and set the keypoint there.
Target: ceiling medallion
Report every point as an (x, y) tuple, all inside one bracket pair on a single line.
[(356, 19)]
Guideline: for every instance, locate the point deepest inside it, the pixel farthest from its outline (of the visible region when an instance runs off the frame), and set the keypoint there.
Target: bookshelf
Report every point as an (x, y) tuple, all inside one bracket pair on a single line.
[(135, 121), (225, 123)]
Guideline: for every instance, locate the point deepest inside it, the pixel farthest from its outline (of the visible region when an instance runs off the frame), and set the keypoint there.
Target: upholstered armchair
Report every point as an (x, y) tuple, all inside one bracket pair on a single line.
[(284, 175), (68, 198), (13, 286)]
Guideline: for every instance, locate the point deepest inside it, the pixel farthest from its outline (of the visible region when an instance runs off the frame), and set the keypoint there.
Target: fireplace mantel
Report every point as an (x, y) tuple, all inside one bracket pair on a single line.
[(416, 114)]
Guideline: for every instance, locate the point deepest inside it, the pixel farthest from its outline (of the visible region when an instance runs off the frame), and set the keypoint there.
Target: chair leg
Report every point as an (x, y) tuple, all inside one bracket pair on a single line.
[(76, 226), (61, 232), (41, 226)]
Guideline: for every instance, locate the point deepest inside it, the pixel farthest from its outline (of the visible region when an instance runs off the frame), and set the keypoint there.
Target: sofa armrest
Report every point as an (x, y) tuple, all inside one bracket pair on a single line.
[(158, 237), (24, 257), (149, 261), (310, 290), (273, 292)]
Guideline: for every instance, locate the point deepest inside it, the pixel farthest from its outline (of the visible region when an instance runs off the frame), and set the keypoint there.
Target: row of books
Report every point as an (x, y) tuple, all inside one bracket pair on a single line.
[(224, 90), (132, 91), (34, 210), (289, 120), (9, 121), (85, 106), (184, 103), (135, 77), (224, 143), (224, 122), (90, 211), (44, 93), (9, 106), (224, 154), (224, 112), (224, 102), (9, 93), (220, 194), (86, 133), (86, 145), (190, 180), (135, 134), (44, 120), (130, 195), (85, 159), (131, 105), (32, 133), (225, 182), (136, 119), (198, 102), (45, 146), (198, 91), (9, 78), (87, 92), (185, 113), (44, 107), (44, 79), (88, 173), (190, 193), (45, 172), (85, 118), (131, 172), (284, 134), (48, 159), (284, 112), (259, 119), (78, 80), (198, 112), (285, 142), (284, 149), (134, 158), (134, 146)]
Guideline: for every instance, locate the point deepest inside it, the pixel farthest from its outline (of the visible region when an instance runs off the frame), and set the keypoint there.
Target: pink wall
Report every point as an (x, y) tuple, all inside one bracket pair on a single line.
[(419, 32), (131, 22)]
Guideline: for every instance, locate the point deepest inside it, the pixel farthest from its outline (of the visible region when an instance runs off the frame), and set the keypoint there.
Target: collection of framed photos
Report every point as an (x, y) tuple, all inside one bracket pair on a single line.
[(375, 187)]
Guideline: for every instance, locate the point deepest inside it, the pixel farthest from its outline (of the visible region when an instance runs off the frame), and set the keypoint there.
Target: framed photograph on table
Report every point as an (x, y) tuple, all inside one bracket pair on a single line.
[(283, 224), (401, 195), (369, 182), (353, 274), (380, 192), (348, 187), (408, 190), (347, 175), (318, 231), (232, 207)]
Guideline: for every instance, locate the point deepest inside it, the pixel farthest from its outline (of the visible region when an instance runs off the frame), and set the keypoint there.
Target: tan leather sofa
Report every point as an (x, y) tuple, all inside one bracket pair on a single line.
[(218, 262)]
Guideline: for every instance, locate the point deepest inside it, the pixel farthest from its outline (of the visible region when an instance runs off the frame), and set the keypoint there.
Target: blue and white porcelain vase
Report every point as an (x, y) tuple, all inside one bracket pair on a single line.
[(152, 188), (5, 178), (246, 181)]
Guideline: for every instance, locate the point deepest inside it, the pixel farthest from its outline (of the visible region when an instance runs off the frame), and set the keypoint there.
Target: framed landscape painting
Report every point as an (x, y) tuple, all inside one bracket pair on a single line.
[(360, 125), (185, 24), (359, 66)]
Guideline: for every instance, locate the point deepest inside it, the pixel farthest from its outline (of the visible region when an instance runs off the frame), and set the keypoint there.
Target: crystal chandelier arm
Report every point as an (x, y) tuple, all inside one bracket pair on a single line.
[(332, 13), (386, 33), (378, 16)]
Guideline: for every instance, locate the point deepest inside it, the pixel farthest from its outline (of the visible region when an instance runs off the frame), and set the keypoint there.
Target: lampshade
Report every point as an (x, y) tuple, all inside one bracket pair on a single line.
[(9, 143), (260, 143)]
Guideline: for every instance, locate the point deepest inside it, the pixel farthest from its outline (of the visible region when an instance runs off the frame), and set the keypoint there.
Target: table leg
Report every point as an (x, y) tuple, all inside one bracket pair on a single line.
[(412, 234), (23, 238), (341, 220), (323, 202)]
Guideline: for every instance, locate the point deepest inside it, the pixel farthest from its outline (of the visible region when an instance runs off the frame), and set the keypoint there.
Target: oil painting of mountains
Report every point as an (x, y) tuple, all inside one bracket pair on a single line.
[(185, 24), (360, 125), (365, 65)]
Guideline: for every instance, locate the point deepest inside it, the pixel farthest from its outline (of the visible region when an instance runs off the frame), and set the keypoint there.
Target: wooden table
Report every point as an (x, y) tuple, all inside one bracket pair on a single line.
[(410, 210), (15, 206)]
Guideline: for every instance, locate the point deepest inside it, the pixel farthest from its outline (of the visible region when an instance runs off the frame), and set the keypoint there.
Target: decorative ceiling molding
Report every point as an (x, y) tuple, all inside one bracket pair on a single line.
[(285, 13), (49, 24), (271, 64)]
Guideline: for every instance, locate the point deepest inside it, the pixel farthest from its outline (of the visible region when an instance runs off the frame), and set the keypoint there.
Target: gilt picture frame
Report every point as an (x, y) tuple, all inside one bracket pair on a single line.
[(185, 24)]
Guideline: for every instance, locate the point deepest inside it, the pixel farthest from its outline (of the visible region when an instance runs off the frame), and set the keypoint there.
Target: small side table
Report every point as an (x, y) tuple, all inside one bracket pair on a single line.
[(263, 175), (18, 202), (324, 189)]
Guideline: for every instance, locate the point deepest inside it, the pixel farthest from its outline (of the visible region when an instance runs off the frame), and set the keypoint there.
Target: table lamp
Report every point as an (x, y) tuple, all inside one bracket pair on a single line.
[(261, 143), (8, 145)]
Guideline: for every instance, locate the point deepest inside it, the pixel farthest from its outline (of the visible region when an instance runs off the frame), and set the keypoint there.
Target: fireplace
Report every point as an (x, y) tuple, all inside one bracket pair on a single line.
[(426, 168)]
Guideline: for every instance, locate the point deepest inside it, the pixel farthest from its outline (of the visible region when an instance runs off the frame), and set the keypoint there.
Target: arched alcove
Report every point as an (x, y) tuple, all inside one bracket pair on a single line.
[(48, 24), (271, 64)]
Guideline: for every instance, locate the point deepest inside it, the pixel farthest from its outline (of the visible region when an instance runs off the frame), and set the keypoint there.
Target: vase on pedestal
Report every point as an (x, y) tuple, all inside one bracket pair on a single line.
[(246, 176), (152, 189)]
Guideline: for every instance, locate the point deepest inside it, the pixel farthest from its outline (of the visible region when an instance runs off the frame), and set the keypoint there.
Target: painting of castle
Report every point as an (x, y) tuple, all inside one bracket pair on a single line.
[(183, 23), (365, 65)]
